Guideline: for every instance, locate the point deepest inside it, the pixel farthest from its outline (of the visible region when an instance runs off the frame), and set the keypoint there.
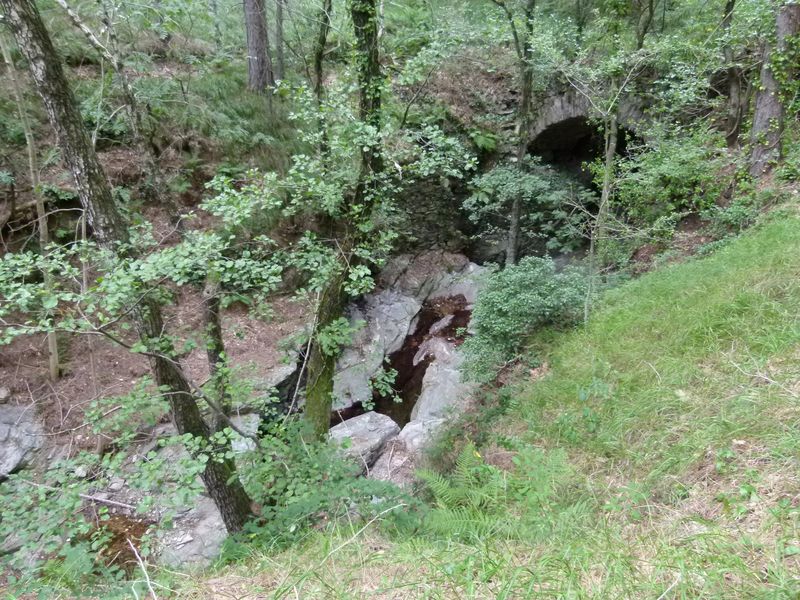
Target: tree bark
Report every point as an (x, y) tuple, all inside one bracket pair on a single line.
[(319, 49), (644, 23), (280, 70), (735, 94), (215, 353), (110, 229), (768, 117), (259, 61), (33, 170), (213, 9), (321, 366), (319, 74), (524, 51)]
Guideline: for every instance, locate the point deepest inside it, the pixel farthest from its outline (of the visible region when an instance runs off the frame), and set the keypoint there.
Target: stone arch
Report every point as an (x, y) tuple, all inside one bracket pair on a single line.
[(564, 132), (570, 105)]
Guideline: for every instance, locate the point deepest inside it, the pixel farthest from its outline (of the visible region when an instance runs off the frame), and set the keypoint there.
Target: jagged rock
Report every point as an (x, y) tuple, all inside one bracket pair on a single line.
[(442, 387), (389, 316), (5, 394), (423, 276), (248, 424), (363, 437), (196, 537), (400, 458), (198, 529), (20, 437), (387, 319)]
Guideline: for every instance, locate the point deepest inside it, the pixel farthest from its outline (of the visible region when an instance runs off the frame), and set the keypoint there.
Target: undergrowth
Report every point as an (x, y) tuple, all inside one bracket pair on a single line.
[(653, 455)]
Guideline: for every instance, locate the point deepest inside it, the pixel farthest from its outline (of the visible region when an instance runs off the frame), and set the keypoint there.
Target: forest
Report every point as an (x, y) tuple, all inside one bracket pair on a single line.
[(400, 299)]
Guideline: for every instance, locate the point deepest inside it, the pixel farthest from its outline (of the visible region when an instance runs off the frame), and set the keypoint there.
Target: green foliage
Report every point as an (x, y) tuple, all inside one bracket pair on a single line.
[(551, 215), (335, 335), (299, 483), (742, 211), (517, 302), (477, 500), (671, 174)]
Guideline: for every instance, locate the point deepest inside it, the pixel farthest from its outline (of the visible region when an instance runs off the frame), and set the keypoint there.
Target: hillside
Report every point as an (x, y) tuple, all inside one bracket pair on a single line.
[(653, 455), (419, 299)]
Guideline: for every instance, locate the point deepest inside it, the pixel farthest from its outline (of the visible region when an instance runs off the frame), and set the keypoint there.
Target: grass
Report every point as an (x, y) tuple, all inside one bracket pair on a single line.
[(655, 456)]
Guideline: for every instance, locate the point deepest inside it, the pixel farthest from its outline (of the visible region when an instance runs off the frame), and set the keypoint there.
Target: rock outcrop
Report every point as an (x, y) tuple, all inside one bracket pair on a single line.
[(390, 315), (362, 438), (20, 436)]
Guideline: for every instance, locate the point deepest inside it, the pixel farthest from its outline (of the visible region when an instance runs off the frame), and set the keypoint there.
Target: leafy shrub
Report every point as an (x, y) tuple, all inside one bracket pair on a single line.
[(671, 174), (516, 302), (299, 484), (548, 201), (741, 212)]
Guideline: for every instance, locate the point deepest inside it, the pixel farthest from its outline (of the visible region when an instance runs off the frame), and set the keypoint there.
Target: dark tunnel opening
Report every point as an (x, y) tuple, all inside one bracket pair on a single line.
[(570, 145)]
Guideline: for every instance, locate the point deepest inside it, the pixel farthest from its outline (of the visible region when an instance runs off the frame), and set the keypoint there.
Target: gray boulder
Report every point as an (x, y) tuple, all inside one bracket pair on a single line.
[(196, 537), (401, 457), (443, 389), (20, 436), (363, 437), (387, 318)]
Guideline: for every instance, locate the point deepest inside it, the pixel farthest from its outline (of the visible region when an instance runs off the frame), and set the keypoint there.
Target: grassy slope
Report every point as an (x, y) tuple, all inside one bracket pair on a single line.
[(674, 418)]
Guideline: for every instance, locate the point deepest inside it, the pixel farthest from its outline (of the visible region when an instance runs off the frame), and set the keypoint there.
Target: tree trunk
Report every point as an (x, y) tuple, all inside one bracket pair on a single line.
[(321, 366), (598, 230), (768, 117), (33, 170), (215, 353), (611, 135), (735, 94), (213, 9), (259, 62), (110, 229), (319, 49), (524, 57), (644, 23), (280, 71)]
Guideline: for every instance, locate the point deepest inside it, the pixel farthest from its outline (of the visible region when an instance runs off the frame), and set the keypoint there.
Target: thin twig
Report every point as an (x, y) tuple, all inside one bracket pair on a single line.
[(143, 568), (83, 496)]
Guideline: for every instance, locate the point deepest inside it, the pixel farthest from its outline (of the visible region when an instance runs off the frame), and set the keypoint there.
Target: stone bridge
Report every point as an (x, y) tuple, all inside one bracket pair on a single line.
[(563, 125)]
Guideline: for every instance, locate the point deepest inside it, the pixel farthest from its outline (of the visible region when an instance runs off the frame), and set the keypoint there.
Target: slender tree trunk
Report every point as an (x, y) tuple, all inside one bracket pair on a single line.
[(524, 49), (768, 117), (321, 366), (735, 94), (319, 74), (213, 9), (215, 352), (259, 61), (598, 232), (33, 170), (611, 136), (110, 229), (319, 49), (645, 23), (280, 71)]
